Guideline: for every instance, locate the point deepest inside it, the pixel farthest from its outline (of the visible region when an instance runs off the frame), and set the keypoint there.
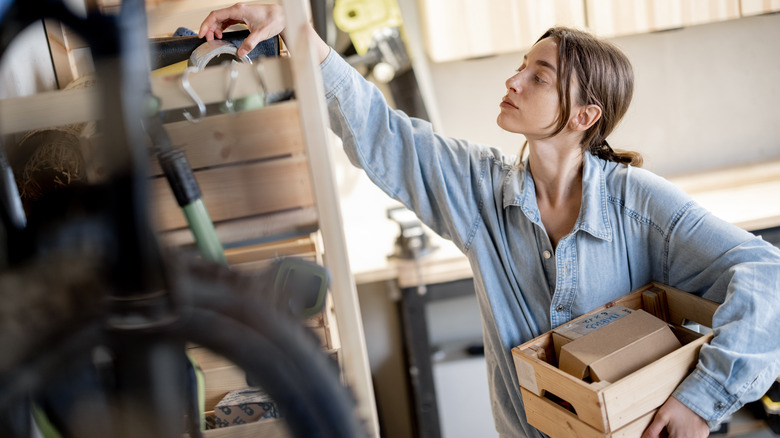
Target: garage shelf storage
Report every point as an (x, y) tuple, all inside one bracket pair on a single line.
[(265, 175)]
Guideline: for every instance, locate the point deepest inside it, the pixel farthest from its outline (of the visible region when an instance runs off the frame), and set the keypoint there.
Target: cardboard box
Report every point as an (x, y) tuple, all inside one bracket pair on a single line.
[(612, 409), (618, 347), (244, 406), (576, 329)]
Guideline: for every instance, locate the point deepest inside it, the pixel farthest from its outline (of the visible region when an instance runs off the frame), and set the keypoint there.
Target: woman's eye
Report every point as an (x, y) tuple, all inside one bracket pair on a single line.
[(538, 79)]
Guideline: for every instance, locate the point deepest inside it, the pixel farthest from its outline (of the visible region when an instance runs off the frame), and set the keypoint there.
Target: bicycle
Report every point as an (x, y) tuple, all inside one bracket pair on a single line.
[(85, 277)]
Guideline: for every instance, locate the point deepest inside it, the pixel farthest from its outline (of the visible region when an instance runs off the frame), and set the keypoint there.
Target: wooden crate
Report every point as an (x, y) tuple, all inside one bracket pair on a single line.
[(612, 409), (222, 376)]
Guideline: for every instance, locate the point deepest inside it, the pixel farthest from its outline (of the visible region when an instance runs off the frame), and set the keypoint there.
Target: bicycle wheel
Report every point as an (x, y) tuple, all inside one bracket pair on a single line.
[(286, 360), (276, 352)]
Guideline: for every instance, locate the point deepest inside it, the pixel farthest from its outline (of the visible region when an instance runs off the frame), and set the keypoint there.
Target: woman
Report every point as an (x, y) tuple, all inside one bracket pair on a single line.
[(575, 225)]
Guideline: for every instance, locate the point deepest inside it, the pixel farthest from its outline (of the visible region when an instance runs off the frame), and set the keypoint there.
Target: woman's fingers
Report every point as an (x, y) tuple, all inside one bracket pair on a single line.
[(264, 21), (218, 20)]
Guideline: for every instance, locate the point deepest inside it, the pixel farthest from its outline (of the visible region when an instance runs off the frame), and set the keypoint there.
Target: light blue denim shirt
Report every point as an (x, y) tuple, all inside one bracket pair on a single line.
[(633, 227)]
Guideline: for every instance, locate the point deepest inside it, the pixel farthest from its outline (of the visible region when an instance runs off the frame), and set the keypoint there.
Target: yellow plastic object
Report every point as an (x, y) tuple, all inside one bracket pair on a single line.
[(173, 69), (361, 18)]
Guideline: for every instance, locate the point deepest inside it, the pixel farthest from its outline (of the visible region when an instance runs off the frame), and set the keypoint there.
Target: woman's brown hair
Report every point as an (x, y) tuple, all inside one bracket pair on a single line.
[(605, 79)]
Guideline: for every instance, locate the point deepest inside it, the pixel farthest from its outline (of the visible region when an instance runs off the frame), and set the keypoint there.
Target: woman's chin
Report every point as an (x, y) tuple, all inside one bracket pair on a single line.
[(506, 126)]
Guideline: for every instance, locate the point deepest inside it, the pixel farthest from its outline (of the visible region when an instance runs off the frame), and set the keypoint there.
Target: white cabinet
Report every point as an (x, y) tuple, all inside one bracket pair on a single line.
[(756, 7), (460, 29), (608, 18)]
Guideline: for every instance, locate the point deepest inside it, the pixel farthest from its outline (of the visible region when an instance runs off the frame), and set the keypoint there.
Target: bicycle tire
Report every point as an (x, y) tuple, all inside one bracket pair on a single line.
[(296, 374), (284, 358)]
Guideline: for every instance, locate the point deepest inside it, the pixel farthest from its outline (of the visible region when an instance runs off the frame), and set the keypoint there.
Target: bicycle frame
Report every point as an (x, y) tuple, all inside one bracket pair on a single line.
[(119, 243), (119, 208)]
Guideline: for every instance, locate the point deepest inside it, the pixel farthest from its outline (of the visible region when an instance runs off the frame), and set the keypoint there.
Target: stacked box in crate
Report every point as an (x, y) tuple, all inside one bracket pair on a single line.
[(562, 405)]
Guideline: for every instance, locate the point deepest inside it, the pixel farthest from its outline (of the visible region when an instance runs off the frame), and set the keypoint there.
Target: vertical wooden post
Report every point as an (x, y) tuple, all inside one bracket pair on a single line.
[(314, 119)]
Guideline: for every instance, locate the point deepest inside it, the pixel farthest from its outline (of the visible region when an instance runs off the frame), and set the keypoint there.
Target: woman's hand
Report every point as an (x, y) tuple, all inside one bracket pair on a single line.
[(676, 420), (264, 21)]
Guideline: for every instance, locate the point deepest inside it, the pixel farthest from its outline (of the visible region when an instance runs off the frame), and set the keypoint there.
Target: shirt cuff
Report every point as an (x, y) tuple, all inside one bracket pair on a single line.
[(706, 397), (334, 70)]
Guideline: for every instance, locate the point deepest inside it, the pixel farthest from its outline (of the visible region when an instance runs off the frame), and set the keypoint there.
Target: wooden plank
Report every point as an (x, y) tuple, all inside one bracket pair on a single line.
[(553, 419), (267, 132), (686, 306), (211, 83), (220, 381), (649, 387), (250, 229), (239, 191), (636, 427), (166, 16), (207, 359), (63, 107), (270, 251), (584, 397), (220, 375), (61, 56), (48, 109), (330, 323), (314, 119), (654, 302), (265, 429), (632, 300), (557, 422)]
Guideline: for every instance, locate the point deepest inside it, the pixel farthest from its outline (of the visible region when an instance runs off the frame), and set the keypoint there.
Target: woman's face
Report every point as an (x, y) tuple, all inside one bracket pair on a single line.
[(530, 106)]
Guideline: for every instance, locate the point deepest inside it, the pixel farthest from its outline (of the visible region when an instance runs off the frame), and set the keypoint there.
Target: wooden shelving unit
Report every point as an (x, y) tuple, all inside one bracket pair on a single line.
[(265, 174)]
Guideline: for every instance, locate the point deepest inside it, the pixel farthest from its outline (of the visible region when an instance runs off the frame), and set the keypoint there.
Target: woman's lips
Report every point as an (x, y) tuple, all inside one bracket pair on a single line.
[(505, 102)]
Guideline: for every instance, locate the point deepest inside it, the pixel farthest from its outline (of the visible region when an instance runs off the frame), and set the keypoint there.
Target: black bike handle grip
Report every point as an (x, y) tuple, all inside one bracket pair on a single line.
[(170, 50)]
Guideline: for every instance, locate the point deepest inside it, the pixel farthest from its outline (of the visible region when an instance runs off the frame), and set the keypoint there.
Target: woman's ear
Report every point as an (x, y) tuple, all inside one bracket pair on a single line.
[(585, 117)]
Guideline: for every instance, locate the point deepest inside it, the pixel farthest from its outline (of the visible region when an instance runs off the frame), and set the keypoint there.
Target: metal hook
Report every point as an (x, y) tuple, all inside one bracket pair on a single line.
[(185, 83), (261, 80), (232, 76)]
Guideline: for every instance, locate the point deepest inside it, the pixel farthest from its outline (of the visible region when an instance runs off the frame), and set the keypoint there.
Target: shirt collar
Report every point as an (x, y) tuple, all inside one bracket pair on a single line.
[(594, 218), (520, 191)]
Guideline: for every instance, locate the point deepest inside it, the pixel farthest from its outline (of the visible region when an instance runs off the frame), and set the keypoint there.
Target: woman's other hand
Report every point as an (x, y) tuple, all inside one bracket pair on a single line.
[(676, 420), (263, 21)]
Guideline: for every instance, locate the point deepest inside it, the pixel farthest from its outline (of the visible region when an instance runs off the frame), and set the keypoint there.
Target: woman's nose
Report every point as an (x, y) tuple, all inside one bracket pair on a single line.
[(513, 83)]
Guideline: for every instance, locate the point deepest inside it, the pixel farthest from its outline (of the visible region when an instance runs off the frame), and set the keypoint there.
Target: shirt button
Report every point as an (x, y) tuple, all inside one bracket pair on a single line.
[(719, 406), (559, 308), (546, 254)]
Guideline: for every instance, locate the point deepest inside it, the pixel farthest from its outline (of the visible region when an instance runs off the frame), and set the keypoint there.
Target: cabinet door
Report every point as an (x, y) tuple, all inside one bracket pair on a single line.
[(608, 18), (461, 29), (756, 7)]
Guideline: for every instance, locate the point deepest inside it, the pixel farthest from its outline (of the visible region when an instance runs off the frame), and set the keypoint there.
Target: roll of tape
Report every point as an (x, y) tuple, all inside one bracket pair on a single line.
[(206, 52)]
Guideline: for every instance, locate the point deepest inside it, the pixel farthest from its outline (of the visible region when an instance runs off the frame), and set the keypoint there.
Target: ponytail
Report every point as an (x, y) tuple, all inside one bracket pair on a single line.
[(605, 152)]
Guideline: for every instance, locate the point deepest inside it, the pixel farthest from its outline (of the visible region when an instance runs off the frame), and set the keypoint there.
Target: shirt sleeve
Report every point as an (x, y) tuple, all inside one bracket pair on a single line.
[(434, 176), (721, 262)]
